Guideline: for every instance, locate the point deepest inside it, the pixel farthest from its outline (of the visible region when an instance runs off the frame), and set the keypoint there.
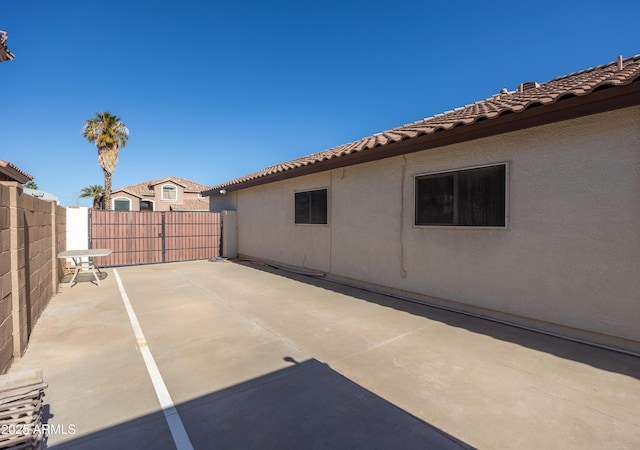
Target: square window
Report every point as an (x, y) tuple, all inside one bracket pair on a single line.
[(169, 193), (311, 207), (146, 205), (121, 205), (466, 198)]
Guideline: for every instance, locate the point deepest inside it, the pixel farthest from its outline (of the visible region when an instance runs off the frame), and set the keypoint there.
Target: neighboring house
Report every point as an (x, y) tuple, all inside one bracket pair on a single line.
[(9, 172), (523, 208), (164, 194), (42, 195)]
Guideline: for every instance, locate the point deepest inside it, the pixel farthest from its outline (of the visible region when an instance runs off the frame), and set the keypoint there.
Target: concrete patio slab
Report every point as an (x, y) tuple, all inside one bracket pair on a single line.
[(254, 357)]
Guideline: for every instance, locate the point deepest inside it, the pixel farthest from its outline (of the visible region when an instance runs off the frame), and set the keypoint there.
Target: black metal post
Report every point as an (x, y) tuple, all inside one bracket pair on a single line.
[(162, 234)]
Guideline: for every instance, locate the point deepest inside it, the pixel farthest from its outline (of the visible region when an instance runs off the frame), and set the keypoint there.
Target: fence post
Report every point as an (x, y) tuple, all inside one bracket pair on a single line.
[(163, 234), (89, 243)]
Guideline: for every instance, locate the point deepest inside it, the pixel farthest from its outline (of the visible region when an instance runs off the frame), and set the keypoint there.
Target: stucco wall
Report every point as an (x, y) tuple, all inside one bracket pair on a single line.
[(227, 202), (268, 230), (165, 205), (158, 203), (568, 261), (134, 204), (77, 228)]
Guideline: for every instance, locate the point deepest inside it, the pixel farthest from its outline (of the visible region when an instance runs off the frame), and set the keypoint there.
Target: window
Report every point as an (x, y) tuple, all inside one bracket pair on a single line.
[(121, 204), (466, 198), (311, 207), (146, 205), (169, 193)]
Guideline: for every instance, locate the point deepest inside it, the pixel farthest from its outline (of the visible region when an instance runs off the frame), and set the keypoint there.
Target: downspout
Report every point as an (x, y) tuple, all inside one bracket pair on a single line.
[(403, 270), (330, 199)]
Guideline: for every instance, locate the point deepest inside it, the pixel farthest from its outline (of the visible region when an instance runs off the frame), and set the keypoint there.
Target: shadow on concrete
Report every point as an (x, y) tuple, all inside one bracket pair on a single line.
[(564, 348), (306, 405), (84, 277)]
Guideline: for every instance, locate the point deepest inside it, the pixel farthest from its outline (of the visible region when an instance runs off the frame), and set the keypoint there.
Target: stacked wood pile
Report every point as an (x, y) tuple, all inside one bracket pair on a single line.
[(21, 410)]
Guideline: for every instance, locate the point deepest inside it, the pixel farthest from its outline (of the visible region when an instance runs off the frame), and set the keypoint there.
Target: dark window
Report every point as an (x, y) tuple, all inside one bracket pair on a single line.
[(146, 205), (467, 198), (121, 205), (311, 206)]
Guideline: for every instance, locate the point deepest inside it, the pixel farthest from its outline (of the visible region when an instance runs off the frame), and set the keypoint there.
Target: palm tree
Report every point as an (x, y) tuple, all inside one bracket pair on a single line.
[(95, 191), (110, 135), (31, 185)]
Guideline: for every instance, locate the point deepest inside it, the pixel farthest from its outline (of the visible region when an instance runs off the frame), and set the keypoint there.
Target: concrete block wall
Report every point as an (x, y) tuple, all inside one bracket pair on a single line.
[(60, 242), (32, 232), (6, 322)]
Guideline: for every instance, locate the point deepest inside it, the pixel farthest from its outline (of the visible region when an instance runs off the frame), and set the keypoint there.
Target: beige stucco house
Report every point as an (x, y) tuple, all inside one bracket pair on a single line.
[(522, 208), (164, 194)]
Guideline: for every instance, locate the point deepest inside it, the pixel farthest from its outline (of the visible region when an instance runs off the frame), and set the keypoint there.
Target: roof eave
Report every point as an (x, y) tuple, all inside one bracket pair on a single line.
[(570, 108), (124, 191), (166, 180), (16, 174)]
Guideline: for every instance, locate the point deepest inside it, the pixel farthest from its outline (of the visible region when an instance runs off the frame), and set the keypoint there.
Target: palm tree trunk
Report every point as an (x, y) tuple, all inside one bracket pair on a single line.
[(107, 190)]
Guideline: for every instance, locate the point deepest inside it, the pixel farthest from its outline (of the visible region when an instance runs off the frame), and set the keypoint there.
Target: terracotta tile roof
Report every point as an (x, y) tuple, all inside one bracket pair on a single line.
[(192, 204), (5, 54), (14, 172), (145, 189), (528, 95)]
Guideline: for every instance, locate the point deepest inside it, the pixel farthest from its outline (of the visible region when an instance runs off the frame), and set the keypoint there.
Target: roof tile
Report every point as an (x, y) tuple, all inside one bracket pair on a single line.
[(192, 204), (146, 188), (579, 83), (9, 165)]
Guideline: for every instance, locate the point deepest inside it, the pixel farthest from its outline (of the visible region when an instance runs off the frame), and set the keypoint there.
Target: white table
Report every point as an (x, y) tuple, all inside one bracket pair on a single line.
[(85, 260)]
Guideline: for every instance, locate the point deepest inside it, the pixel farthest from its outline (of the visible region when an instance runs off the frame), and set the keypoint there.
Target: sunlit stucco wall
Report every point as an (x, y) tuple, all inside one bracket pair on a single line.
[(568, 261)]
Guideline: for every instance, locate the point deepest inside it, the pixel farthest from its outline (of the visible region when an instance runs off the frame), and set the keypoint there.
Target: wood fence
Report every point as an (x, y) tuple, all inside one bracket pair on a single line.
[(154, 237)]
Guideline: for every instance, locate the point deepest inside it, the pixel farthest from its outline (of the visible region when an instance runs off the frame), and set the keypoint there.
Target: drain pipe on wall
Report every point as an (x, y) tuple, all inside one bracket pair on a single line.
[(403, 271)]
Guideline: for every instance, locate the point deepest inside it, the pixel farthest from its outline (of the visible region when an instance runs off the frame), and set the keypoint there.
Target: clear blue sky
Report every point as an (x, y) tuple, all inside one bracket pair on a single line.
[(212, 91)]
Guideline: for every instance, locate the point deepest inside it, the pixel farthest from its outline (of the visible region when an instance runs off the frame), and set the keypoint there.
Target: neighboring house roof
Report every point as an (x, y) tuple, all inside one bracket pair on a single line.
[(5, 54), (40, 194), (126, 191), (145, 189), (14, 173), (609, 86), (191, 204)]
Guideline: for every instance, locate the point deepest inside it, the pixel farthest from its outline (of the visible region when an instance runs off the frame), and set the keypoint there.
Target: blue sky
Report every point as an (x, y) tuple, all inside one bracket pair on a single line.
[(212, 91)]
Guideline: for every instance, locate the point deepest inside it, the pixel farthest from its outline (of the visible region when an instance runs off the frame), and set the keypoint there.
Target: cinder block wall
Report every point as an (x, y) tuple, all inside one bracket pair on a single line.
[(6, 324), (60, 237), (33, 231)]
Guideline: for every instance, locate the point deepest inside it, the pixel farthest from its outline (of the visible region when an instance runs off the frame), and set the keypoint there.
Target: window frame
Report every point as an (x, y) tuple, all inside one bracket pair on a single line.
[(416, 177), (120, 199), (151, 203), (162, 192), (327, 209)]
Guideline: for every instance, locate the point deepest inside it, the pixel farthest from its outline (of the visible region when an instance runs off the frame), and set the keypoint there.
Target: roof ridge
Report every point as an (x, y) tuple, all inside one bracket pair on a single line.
[(187, 184), (598, 67), (617, 73)]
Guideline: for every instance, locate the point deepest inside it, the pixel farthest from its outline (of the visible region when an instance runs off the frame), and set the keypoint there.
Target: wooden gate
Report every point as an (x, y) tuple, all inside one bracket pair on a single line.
[(154, 237)]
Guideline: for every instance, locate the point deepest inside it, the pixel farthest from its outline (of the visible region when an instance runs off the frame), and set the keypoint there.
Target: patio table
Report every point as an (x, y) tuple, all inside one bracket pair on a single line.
[(84, 260)]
